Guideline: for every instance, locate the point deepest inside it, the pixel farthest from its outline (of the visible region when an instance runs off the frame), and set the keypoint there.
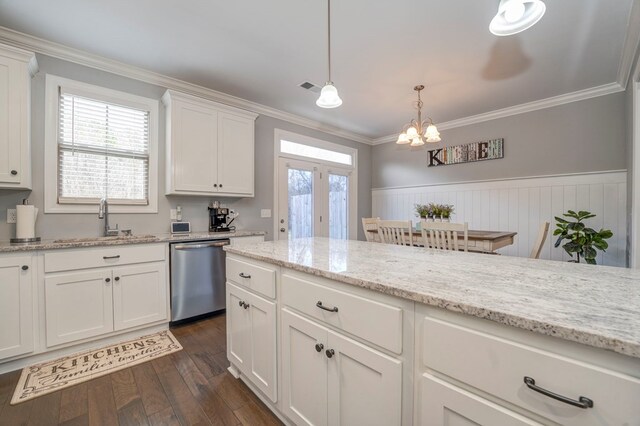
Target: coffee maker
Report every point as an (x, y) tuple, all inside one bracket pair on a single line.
[(218, 218)]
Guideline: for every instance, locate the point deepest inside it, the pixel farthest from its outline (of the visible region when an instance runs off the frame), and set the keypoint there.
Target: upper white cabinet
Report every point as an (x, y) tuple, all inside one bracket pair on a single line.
[(16, 68), (210, 147)]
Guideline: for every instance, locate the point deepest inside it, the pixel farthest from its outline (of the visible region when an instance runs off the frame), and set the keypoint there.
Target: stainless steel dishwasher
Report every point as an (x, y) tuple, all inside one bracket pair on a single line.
[(198, 275)]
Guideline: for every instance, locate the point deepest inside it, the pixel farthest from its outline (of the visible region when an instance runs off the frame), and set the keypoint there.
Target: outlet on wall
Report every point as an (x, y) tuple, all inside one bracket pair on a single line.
[(12, 216), (173, 214), (265, 213)]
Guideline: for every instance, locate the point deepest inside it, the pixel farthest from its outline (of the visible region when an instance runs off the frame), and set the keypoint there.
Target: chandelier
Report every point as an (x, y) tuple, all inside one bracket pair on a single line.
[(418, 131)]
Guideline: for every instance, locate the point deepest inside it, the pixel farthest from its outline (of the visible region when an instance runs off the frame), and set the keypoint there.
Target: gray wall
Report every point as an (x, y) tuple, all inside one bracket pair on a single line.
[(194, 208), (583, 136)]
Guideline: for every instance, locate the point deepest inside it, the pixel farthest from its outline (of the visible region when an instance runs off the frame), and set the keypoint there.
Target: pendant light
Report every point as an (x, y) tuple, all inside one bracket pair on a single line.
[(515, 16), (329, 94), (418, 131)]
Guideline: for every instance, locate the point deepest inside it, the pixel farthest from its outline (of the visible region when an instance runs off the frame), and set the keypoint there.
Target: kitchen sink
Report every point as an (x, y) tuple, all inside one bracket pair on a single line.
[(113, 238)]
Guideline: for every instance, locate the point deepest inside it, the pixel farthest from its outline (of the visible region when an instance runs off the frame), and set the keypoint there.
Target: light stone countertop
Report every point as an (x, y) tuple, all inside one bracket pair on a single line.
[(65, 243), (593, 305)]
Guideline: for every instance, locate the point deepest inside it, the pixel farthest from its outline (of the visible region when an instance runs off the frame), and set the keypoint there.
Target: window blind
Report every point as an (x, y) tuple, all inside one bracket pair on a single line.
[(103, 151)]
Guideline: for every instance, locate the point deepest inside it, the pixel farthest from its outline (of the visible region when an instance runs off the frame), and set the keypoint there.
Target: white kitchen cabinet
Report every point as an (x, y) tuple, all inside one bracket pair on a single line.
[(16, 306), (95, 291), (139, 295), (251, 338), (331, 379), (209, 147), (79, 305), (16, 68), (444, 404)]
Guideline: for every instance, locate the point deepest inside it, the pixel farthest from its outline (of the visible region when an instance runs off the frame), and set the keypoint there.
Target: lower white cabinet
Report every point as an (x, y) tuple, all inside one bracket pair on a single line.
[(331, 379), (16, 306), (444, 404), (251, 338), (90, 303)]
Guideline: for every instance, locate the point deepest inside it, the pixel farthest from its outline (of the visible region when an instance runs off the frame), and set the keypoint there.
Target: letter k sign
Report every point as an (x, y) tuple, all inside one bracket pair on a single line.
[(433, 160)]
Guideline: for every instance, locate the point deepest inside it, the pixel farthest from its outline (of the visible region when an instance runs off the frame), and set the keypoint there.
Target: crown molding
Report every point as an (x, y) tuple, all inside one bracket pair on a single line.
[(35, 44), (580, 95), (630, 47)]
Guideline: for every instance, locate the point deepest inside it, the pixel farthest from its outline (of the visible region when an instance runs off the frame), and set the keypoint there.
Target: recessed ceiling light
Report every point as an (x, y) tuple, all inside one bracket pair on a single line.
[(515, 16)]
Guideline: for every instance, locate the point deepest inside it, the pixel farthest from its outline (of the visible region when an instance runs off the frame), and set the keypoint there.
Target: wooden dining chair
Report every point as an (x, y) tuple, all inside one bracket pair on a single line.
[(399, 232), (542, 237), (445, 236), (371, 224)]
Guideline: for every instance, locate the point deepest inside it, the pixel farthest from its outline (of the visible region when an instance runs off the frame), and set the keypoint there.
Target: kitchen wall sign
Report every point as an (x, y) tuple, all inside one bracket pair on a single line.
[(475, 151)]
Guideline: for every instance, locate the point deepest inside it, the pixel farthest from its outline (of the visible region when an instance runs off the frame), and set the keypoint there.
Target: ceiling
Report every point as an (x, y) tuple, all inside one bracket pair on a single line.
[(262, 50)]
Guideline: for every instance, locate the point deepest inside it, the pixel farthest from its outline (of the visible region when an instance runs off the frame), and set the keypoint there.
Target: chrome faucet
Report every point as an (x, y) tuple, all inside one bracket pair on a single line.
[(103, 213)]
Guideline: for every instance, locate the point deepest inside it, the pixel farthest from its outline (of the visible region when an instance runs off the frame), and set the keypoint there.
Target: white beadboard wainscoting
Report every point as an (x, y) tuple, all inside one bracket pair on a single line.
[(521, 205)]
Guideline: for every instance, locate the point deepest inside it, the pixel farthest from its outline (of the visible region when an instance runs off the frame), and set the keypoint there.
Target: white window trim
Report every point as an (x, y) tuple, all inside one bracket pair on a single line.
[(51, 204), (339, 168)]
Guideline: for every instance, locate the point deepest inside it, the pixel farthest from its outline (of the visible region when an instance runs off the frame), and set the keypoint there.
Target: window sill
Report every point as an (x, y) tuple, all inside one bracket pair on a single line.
[(93, 209)]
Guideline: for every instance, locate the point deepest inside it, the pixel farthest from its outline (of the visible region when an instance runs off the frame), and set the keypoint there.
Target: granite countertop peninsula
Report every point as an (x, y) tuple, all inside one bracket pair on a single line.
[(64, 243), (593, 305)]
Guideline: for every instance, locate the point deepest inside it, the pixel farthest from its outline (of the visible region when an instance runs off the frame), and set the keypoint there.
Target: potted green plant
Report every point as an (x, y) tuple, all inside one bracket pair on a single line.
[(446, 210), (423, 211), (582, 241)]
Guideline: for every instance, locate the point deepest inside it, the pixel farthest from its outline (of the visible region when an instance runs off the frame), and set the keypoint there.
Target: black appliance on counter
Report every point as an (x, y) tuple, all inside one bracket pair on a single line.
[(218, 219)]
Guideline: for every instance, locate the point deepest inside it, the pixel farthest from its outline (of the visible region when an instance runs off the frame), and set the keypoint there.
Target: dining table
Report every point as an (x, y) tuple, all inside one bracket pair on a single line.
[(479, 241)]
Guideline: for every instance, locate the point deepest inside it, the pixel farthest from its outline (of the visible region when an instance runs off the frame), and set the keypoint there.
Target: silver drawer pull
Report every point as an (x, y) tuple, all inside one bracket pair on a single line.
[(582, 402), (243, 275), (117, 256), (321, 306)]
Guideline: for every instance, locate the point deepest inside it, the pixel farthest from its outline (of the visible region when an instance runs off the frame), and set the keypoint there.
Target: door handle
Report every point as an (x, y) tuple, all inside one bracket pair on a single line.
[(321, 306), (582, 402), (199, 246)]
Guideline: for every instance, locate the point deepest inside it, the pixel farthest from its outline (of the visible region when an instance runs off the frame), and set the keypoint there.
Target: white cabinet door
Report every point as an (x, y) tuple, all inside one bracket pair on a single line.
[(365, 386), (238, 328), (194, 148), (304, 370), (14, 119), (235, 154), (441, 403), (16, 306), (262, 370), (139, 295), (78, 305)]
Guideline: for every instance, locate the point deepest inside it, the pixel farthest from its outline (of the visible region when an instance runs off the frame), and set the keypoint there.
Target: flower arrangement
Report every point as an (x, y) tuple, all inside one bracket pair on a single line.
[(434, 210)]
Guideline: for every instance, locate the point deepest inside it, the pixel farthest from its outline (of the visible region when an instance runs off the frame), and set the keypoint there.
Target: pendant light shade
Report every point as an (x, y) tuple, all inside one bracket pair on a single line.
[(329, 97), (329, 94), (432, 134), (515, 16)]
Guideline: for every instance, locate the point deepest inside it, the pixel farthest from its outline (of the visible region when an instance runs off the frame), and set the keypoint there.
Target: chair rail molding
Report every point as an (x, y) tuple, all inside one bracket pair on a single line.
[(521, 205)]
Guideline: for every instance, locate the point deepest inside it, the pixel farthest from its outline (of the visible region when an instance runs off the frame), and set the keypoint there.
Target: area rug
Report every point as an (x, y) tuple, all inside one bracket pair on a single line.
[(50, 376)]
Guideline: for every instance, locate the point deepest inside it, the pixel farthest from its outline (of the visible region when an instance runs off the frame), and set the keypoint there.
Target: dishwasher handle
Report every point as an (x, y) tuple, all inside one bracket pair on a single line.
[(199, 246)]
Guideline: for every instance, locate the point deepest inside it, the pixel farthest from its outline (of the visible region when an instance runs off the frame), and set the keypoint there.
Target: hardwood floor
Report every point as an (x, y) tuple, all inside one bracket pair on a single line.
[(189, 387)]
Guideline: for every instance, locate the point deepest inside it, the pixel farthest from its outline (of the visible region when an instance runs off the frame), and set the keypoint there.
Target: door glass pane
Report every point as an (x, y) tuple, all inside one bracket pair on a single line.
[(338, 206), (300, 190)]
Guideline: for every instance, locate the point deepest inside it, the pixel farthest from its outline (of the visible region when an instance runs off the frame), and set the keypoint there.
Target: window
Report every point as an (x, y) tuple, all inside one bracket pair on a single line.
[(104, 146), (298, 149)]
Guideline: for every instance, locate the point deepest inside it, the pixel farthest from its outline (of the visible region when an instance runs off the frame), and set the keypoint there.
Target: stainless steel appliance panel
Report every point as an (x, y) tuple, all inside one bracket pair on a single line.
[(198, 275)]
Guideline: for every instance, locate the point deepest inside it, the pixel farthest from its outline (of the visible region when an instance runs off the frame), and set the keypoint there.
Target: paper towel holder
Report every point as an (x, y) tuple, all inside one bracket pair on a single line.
[(18, 241)]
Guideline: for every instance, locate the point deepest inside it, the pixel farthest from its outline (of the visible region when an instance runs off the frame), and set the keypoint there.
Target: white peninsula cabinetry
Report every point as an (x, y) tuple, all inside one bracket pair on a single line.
[(95, 291), (16, 68), (209, 149), (16, 305), (347, 355)]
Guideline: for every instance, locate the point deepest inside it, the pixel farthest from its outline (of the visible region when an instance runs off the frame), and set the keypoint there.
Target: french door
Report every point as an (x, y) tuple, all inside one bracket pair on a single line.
[(314, 200)]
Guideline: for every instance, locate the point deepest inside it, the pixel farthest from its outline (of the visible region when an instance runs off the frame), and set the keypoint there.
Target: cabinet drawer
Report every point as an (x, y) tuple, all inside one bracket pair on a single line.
[(376, 322), (258, 278), (97, 257), (498, 366)]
